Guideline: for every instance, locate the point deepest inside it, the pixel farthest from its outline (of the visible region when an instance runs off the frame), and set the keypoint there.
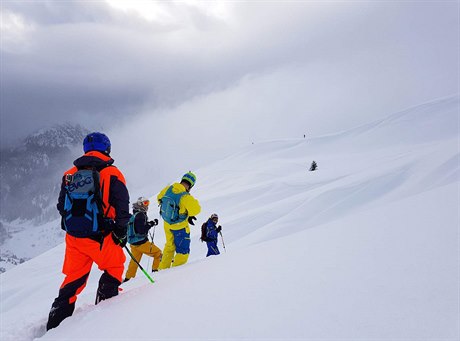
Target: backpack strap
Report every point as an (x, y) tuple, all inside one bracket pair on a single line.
[(105, 209), (132, 220), (97, 187)]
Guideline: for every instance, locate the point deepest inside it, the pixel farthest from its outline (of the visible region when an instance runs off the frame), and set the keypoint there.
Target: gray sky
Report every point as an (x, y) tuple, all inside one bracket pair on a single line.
[(230, 72)]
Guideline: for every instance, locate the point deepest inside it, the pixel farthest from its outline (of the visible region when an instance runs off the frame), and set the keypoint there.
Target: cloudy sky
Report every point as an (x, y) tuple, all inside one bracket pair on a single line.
[(231, 72)]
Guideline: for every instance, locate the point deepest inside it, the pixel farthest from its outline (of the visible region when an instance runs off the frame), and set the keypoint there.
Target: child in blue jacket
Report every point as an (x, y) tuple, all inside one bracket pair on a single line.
[(211, 234)]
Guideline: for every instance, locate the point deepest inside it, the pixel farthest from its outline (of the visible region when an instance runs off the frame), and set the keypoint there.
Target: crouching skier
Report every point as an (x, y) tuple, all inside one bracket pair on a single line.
[(94, 205), (138, 229)]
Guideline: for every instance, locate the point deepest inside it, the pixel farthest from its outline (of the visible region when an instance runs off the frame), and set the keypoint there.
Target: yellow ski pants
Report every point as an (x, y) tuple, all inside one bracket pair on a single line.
[(177, 246), (149, 249)]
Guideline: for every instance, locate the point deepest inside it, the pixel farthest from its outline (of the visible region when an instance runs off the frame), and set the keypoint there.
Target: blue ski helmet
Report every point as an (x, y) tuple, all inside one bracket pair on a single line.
[(96, 141)]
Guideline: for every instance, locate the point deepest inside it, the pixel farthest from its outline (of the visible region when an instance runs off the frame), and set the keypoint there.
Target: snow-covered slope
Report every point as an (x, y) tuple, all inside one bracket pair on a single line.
[(365, 248)]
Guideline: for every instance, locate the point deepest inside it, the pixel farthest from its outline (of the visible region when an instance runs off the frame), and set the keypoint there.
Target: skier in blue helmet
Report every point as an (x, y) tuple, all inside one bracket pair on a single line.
[(97, 141), (104, 245)]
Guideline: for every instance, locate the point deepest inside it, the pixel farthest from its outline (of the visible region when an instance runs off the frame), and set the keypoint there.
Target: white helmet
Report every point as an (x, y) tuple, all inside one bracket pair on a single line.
[(142, 204)]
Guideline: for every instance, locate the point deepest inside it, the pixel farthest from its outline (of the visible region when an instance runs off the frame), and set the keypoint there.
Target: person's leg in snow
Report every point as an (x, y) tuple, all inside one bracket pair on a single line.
[(76, 268), (132, 267), (168, 251), (108, 287), (79, 256), (111, 260), (213, 250), (64, 305), (182, 242)]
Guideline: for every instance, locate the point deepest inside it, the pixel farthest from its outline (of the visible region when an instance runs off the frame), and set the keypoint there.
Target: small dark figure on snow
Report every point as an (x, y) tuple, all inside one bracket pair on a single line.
[(209, 234), (313, 166)]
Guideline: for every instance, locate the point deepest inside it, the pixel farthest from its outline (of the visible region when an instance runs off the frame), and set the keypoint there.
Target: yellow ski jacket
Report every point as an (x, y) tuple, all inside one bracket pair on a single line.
[(187, 204)]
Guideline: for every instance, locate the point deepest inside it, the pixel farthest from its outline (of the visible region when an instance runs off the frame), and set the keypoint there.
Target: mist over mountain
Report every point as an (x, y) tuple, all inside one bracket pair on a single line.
[(30, 172)]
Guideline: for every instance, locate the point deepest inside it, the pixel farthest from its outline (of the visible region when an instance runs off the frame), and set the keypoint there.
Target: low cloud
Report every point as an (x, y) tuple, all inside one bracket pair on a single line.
[(327, 65)]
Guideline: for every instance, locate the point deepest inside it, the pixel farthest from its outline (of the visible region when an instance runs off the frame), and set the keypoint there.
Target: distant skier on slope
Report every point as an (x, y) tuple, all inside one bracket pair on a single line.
[(138, 229), (313, 166), (178, 209), (209, 234), (94, 205)]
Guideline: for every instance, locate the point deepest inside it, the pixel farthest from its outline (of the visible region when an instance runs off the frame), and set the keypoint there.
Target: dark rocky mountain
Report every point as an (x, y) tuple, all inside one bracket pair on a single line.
[(30, 173)]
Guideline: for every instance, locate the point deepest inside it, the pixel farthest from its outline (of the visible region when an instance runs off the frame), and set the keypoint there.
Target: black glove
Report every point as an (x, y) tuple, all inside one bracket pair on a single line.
[(218, 229), (190, 220), (153, 222), (119, 237), (110, 225)]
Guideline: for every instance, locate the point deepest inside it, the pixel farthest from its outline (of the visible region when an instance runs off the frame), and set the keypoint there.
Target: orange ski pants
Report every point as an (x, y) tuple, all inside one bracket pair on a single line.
[(80, 253)]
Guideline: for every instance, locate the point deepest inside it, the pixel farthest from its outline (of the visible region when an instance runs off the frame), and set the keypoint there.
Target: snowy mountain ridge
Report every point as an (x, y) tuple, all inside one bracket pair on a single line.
[(58, 136), (29, 183), (28, 172), (365, 247)]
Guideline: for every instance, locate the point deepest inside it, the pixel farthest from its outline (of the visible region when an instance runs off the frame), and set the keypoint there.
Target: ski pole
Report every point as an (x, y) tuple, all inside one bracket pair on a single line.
[(140, 266), (148, 262), (151, 237), (223, 244), (151, 243), (153, 232)]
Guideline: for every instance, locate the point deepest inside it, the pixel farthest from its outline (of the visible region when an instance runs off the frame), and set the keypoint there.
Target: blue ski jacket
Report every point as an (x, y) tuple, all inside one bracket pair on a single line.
[(211, 230)]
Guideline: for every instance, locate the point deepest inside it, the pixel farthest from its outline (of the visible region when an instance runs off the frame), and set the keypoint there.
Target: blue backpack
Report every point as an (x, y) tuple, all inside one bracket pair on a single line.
[(169, 209), (83, 204), (133, 237)]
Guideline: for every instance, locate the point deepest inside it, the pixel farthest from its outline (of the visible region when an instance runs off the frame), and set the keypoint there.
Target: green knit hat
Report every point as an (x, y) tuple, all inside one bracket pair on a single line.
[(190, 178)]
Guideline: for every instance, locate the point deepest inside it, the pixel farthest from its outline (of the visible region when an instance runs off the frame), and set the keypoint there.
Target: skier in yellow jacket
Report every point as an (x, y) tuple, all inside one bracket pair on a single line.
[(178, 209)]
